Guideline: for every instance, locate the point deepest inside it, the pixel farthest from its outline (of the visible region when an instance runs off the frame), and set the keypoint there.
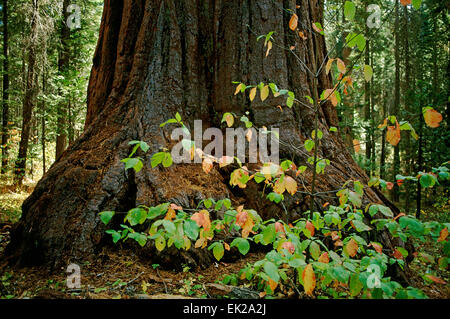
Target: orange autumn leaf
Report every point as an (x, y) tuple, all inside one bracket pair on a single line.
[(399, 215), (309, 279), (405, 2), (351, 248), (202, 219), (302, 35), (436, 279), (326, 204), (324, 258), (443, 235), (207, 165), (226, 246), (247, 227), (356, 146), (310, 227), (432, 118), (328, 66), (340, 65), (241, 218), (272, 284), (293, 22), (389, 185), (170, 214), (400, 182), (175, 206), (290, 185), (393, 134)]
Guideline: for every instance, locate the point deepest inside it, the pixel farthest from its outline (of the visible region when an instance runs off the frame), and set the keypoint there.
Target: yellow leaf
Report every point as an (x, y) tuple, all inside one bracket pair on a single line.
[(291, 185), (238, 88), (229, 118), (293, 22), (252, 94), (328, 66), (269, 47), (248, 135), (324, 258), (280, 186), (309, 279), (264, 92)]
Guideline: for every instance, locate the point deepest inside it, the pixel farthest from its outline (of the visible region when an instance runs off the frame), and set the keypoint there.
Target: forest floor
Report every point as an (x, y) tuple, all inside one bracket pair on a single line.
[(121, 274)]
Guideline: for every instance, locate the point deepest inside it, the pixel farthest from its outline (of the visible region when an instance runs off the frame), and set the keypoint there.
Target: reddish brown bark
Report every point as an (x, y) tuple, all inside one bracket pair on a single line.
[(156, 58)]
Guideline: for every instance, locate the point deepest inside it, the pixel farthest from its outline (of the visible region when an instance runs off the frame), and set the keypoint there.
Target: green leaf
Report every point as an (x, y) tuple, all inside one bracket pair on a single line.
[(368, 72), (309, 145), (218, 251), (269, 234), (355, 285), (178, 117), (191, 229), (167, 161), (115, 235), (416, 4), (242, 244), (272, 271), (169, 226), (314, 249), (157, 158), (106, 216), (427, 180), (160, 243), (136, 216), (333, 129), (349, 10)]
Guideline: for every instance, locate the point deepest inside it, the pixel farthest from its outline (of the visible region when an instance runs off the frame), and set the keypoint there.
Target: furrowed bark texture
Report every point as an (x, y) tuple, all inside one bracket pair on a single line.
[(156, 58)]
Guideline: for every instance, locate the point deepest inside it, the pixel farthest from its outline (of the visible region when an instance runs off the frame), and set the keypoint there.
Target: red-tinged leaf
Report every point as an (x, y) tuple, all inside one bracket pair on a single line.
[(279, 228), (248, 226), (351, 248), (316, 27), (324, 258), (436, 279), (338, 243), (377, 247), (202, 219), (443, 235), (432, 118), (400, 182), (398, 254), (405, 2), (293, 22), (310, 227), (289, 246), (393, 134), (309, 279), (241, 218)]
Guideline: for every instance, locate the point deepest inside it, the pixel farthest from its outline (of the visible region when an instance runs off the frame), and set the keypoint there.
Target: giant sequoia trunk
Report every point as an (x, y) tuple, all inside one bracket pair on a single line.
[(153, 59)]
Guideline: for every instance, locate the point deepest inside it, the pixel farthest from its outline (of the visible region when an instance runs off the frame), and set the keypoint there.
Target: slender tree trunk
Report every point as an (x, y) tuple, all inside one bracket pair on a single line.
[(396, 109), (5, 99), (29, 100), (43, 138), (157, 58), (63, 65)]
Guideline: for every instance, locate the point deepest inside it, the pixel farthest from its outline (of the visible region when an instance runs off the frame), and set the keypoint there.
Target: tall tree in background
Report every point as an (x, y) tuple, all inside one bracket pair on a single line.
[(5, 98), (29, 99), (157, 58), (63, 66), (396, 108)]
